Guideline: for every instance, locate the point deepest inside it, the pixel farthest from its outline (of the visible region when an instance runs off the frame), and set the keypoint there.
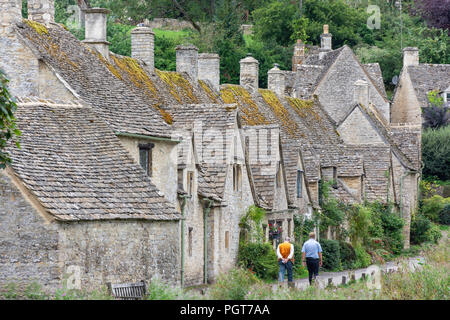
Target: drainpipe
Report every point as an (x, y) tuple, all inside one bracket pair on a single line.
[(183, 205), (206, 209), (401, 190)]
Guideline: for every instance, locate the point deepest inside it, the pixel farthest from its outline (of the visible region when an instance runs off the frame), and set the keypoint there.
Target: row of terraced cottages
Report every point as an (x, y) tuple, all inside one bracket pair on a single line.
[(127, 172)]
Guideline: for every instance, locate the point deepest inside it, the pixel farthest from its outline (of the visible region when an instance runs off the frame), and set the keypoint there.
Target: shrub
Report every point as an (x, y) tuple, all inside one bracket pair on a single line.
[(233, 285), (421, 230), (444, 215), (259, 258), (434, 234), (432, 207), (363, 259), (331, 255), (436, 152), (347, 254)]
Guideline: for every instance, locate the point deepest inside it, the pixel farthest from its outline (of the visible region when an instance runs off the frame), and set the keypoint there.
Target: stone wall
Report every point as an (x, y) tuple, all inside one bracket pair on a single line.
[(356, 129), (164, 164), (120, 251), (28, 243), (34, 249), (50, 87), (19, 64)]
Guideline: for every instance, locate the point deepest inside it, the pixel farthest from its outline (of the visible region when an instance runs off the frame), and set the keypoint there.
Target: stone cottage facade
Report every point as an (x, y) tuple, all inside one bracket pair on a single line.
[(128, 172)]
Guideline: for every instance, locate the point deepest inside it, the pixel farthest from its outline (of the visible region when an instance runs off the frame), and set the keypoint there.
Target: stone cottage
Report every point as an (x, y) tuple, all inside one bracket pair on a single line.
[(263, 148), (76, 207), (127, 171), (215, 187)]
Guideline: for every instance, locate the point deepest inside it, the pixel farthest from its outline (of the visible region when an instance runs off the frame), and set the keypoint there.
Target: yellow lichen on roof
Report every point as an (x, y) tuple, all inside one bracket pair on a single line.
[(111, 68), (175, 81), (208, 91), (39, 28), (166, 116), (279, 110), (136, 74), (248, 108), (303, 107)]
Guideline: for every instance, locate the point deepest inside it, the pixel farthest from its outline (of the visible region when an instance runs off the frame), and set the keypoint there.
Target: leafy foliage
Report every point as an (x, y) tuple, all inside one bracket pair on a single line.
[(331, 255), (432, 207), (436, 152), (259, 258), (8, 128), (233, 285), (436, 115)]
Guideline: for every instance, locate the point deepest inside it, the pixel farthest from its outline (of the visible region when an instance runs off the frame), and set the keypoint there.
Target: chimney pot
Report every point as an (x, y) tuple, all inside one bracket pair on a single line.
[(187, 61), (249, 73), (11, 12), (143, 46), (410, 56), (209, 69), (276, 80), (42, 11), (299, 54), (326, 39)]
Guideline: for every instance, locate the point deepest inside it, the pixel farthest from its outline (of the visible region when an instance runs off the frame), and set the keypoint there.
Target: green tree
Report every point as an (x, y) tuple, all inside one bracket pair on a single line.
[(274, 22), (8, 128)]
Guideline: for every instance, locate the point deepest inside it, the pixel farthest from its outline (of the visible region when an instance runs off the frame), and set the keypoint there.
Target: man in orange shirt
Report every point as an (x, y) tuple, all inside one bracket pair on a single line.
[(285, 254)]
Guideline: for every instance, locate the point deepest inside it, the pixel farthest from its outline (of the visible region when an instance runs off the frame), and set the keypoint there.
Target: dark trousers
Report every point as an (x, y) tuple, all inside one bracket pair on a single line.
[(283, 267), (313, 268)]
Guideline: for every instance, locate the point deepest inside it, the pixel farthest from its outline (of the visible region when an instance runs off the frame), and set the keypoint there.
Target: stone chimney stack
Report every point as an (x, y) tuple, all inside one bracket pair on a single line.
[(209, 68), (249, 73), (299, 54), (410, 56), (95, 35), (143, 46), (276, 80), (187, 61), (42, 11), (10, 12), (361, 93), (325, 41)]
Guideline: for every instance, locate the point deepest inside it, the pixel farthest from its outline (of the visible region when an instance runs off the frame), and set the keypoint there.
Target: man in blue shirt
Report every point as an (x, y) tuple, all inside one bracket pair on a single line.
[(312, 251)]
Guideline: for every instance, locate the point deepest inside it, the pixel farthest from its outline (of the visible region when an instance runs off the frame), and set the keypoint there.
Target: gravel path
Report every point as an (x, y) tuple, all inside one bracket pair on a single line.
[(337, 278)]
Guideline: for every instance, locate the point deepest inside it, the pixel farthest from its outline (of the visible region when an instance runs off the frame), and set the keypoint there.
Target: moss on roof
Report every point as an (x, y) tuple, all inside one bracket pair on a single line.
[(249, 109), (39, 28), (178, 86), (279, 111), (208, 91)]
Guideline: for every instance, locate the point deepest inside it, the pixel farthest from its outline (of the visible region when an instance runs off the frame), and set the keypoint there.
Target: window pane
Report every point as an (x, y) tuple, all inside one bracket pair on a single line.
[(143, 159)]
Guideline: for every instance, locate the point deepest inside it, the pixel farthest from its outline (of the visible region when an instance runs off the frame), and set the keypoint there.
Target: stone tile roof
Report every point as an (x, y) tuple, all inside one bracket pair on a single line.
[(264, 170), (408, 141), (350, 165), (374, 71), (304, 121), (210, 124), (75, 166), (122, 91), (376, 164), (429, 77), (312, 70)]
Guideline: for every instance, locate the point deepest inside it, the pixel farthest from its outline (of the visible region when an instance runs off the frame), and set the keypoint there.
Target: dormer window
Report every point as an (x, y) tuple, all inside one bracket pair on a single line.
[(145, 157)]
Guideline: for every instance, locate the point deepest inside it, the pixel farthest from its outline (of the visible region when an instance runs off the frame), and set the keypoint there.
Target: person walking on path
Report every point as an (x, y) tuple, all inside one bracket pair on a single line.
[(312, 256), (285, 254)]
